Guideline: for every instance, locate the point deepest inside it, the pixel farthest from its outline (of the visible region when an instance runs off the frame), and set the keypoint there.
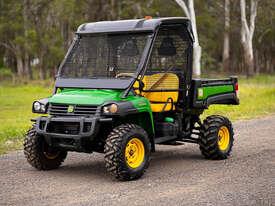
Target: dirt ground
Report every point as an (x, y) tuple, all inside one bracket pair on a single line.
[(177, 175)]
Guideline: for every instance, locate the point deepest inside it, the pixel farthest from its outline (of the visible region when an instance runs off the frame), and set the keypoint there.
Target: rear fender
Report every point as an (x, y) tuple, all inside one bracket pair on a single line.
[(214, 91)]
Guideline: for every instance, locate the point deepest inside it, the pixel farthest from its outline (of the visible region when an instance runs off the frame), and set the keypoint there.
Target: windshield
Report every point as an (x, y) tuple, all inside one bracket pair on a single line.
[(108, 56)]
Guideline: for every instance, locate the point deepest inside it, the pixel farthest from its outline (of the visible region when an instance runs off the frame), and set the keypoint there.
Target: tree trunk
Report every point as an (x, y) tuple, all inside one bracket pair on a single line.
[(27, 66), (138, 10), (190, 13), (226, 38), (25, 13), (196, 47), (196, 60), (248, 59), (113, 12), (42, 71), (257, 62), (20, 66), (65, 32), (247, 32), (272, 65)]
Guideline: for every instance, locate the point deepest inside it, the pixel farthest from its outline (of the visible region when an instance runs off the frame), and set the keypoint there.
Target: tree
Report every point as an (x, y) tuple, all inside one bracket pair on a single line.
[(226, 38), (26, 28), (11, 30), (40, 31), (247, 32), (190, 13)]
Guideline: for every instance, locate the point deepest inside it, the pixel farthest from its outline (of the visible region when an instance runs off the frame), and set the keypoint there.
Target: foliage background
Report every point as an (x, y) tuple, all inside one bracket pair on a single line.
[(37, 33)]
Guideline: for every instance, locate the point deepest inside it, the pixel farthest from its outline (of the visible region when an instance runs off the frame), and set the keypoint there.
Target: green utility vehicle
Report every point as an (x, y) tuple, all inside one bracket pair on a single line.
[(123, 87)]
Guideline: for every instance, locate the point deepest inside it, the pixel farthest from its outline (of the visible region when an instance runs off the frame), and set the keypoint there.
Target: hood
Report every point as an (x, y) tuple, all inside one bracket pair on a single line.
[(85, 96)]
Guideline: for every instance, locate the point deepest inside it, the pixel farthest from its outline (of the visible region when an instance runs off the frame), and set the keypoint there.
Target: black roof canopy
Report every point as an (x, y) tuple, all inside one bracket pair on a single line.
[(121, 26), (134, 25)]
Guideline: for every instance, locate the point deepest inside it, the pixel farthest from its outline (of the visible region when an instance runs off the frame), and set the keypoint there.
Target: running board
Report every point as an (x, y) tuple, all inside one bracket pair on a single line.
[(165, 139), (184, 138)]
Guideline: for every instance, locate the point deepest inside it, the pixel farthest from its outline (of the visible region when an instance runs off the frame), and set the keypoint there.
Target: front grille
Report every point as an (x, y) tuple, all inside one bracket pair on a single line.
[(78, 110), (64, 127)]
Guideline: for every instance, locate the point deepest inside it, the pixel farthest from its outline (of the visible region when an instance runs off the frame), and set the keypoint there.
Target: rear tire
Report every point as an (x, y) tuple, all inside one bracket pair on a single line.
[(39, 154), (217, 137), (127, 152)]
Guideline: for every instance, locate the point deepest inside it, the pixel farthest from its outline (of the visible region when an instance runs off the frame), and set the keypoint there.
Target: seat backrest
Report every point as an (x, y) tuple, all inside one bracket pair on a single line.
[(167, 47), (160, 99)]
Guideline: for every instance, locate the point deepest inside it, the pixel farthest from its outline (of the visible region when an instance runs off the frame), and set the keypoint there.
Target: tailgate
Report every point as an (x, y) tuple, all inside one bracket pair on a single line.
[(214, 91)]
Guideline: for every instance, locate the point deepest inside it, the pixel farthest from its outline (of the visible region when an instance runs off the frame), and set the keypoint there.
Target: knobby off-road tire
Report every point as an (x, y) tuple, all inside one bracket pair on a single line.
[(210, 142), (39, 154), (117, 152)]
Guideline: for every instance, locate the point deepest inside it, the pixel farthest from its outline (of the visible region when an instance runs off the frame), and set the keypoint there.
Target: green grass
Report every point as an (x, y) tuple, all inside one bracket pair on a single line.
[(15, 112), (257, 99)]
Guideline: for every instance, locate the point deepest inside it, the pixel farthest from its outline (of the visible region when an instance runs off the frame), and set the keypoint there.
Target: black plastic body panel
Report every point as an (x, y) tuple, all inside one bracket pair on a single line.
[(76, 140), (223, 98)]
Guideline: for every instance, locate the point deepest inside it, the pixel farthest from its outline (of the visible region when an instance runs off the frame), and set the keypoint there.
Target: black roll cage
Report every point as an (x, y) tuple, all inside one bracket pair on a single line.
[(128, 84), (185, 85)]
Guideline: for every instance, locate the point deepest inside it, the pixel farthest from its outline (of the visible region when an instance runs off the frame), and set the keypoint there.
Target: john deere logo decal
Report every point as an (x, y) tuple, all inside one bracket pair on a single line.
[(70, 109)]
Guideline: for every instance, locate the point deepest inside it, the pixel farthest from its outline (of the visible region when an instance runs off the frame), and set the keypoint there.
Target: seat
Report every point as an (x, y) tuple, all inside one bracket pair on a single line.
[(156, 84), (154, 90)]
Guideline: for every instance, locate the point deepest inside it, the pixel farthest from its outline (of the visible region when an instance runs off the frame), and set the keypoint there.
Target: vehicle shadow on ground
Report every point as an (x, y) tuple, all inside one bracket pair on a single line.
[(94, 167), (175, 155), (91, 167)]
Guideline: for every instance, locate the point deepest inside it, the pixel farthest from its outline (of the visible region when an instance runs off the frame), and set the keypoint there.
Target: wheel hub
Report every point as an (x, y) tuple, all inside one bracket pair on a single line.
[(50, 153), (134, 153), (223, 138)]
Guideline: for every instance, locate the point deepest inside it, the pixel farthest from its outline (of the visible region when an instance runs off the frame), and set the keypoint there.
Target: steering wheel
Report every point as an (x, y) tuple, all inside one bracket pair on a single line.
[(124, 75)]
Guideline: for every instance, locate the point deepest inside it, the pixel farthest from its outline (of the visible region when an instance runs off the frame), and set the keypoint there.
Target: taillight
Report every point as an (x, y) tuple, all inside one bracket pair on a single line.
[(237, 88)]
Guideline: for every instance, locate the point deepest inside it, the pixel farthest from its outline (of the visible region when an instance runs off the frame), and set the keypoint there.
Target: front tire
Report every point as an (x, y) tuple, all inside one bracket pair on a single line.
[(39, 154), (127, 152), (217, 137)]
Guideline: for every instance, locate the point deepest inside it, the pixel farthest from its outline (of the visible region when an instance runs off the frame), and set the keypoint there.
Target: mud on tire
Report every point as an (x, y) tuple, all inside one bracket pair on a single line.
[(36, 152)]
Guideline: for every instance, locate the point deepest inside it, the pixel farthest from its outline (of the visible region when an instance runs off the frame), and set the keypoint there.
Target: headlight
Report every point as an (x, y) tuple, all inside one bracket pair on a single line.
[(39, 107), (110, 109), (36, 106)]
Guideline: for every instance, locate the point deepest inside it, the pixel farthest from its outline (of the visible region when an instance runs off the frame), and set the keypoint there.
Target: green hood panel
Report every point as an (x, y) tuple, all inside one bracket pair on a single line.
[(100, 96), (85, 96)]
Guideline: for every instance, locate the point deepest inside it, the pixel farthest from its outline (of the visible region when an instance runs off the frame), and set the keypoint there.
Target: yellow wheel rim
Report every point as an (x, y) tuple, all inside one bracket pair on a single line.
[(224, 138), (51, 156), (134, 153)]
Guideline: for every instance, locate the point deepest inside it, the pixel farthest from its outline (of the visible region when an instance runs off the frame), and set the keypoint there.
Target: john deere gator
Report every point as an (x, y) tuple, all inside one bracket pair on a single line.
[(123, 87)]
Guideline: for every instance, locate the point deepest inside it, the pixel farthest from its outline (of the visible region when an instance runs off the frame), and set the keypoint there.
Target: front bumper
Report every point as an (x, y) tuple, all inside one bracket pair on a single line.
[(69, 133)]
